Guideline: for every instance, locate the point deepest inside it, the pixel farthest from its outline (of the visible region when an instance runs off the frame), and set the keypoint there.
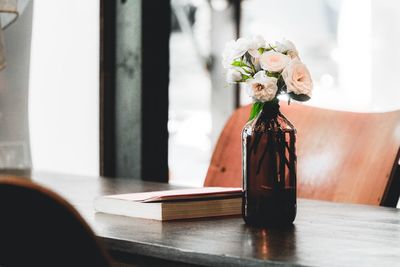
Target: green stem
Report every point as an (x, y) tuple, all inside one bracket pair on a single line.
[(256, 109)]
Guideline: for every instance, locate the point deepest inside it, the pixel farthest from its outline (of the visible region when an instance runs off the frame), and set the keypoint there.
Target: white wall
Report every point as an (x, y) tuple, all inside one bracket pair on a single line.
[(64, 86)]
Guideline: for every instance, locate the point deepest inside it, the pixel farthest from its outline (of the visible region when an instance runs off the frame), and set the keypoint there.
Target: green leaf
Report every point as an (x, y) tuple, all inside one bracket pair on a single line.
[(245, 77), (261, 50), (239, 64), (246, 70), (273, 74), (300, 97), (256, 109)]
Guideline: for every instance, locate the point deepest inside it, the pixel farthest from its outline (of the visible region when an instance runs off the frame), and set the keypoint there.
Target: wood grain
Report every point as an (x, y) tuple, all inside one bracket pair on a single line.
[(324, 233), (342, 156)]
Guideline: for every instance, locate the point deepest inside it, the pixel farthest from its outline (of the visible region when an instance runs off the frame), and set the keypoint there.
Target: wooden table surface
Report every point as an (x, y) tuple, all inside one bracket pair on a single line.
[(324, 234)]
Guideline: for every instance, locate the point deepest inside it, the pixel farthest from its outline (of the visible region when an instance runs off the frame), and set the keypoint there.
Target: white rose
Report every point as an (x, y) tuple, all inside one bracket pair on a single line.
[(262, 88), (233, 76), (234, 50), (273, 61), (256, 43), (297, 78), (241, 46), (286, 46)]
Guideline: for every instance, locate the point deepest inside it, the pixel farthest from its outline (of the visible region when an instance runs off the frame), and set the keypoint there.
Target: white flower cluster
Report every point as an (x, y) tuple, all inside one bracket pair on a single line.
[(263, 67)]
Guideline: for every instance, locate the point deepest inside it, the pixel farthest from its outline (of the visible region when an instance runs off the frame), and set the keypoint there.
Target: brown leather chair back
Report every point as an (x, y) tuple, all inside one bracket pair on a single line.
[(39, 228), (342, 156)]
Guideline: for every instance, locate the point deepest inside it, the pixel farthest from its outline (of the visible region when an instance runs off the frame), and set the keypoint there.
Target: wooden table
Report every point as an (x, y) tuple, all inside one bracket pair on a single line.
[(324, 234)]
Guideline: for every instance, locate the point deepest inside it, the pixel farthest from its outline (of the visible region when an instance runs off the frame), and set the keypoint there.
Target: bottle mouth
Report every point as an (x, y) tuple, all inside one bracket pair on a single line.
[(271, 109)]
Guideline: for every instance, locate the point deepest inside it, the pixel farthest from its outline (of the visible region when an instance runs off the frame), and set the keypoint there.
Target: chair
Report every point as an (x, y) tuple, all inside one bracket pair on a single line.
[(39, 228), (341, 156)]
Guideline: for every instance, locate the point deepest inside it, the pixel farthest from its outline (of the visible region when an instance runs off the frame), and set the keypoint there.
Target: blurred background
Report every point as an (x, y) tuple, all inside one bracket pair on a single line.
[(349, 46)]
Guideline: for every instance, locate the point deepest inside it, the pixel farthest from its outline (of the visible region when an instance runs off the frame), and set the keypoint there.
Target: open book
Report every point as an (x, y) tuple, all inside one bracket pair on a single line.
[(174, 204)]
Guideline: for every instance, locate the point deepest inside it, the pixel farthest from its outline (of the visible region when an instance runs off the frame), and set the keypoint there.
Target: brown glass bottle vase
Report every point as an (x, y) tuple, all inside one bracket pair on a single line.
[(269, 168)]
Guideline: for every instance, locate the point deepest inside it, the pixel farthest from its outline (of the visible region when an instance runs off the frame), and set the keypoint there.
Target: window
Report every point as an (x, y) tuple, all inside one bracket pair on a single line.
[(189, 123)]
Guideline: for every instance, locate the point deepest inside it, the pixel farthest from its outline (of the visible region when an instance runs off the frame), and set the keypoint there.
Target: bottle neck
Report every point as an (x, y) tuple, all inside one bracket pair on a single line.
[(270, 109)]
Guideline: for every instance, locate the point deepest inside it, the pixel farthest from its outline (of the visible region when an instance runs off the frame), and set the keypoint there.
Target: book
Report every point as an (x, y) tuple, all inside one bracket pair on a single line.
[(174, 204)]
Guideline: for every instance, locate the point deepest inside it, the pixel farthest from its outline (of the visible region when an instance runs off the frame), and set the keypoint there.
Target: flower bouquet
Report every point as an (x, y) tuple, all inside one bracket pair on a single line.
[(268, 139), (267, 70)]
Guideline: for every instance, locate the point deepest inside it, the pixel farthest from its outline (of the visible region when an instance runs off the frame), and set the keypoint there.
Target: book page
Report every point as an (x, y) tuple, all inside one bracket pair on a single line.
[(180, 194)]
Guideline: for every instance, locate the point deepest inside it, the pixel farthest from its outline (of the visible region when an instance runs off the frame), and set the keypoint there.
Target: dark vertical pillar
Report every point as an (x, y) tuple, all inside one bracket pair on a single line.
[(156, 20), (134, 93), (128, 89), (107, 88)]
